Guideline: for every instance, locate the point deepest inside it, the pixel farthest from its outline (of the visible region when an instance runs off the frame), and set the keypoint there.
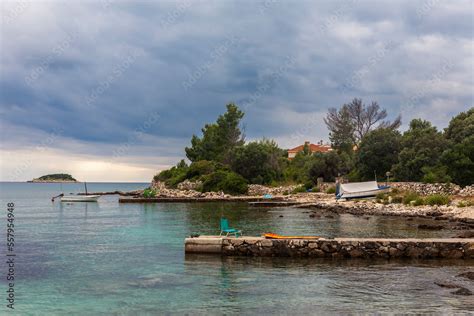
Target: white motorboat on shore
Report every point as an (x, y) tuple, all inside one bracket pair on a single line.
[(359, 190)]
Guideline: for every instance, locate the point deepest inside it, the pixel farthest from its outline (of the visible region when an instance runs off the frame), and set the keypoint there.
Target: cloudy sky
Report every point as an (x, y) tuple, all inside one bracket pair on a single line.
[(113, 91)]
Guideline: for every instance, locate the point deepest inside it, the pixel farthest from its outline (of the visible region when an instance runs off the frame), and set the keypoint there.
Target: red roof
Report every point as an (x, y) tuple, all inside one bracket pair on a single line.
[(312, 147)]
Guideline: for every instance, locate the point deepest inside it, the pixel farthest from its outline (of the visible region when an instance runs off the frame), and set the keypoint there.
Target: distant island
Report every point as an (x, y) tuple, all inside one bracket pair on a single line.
[(57, 177)]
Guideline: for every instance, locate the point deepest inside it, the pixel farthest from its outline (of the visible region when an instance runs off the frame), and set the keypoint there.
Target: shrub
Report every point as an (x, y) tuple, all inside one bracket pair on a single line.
[(462, 204), (227, 181), (465, 203), (437, 199), (381, 196), (211, 181), (331, 190), (300, 189), (418, 201), (397, 199), (200, 168), (309, 185), (410, 196), (315, 189), (173, 176), (234, 183), (149, 193)]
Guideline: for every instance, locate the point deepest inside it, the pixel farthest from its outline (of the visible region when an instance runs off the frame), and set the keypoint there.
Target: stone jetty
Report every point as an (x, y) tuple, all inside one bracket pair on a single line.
[(337, 248)]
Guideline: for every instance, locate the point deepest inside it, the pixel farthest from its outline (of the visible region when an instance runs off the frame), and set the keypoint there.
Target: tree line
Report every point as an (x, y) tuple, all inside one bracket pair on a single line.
[(365, 145)]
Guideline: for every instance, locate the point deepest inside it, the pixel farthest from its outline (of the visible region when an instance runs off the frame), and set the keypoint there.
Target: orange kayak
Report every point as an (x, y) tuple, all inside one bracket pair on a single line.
[(276, 236)]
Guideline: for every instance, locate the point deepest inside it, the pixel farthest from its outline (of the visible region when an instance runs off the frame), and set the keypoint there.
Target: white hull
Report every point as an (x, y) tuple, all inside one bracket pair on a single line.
[(80, 198), (363, 194)]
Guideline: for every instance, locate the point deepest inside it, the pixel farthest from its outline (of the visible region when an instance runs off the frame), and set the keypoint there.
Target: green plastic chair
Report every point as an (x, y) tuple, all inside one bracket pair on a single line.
[(225, 229)]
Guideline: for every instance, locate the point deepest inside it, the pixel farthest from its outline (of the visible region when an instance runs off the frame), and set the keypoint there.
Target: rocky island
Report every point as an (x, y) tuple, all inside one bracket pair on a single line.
[(57, 177)]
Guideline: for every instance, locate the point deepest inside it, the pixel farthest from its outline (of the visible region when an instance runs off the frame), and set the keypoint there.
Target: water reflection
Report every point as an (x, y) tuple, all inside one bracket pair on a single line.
[(78, 208), (203, 218)]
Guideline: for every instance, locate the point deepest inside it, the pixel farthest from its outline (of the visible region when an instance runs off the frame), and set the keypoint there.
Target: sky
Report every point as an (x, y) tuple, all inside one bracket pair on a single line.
[(111, 90)]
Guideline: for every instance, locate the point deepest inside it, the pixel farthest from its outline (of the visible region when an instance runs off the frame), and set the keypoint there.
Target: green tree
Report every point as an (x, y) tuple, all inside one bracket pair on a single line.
[(421, 146), (259, 162), (328, 165), (460, 127), (334, 164), (459, 157), (219, 138), (378, 152)]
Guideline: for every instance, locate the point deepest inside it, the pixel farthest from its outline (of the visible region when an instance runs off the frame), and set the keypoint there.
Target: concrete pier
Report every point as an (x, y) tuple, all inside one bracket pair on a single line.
[(338, 248)]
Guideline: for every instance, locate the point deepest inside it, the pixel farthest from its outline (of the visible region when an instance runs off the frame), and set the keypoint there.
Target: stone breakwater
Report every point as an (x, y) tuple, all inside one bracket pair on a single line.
[(338, 248)]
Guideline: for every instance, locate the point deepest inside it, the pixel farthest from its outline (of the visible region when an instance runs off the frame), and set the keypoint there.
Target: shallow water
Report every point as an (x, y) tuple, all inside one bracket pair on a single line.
[(106, 258)]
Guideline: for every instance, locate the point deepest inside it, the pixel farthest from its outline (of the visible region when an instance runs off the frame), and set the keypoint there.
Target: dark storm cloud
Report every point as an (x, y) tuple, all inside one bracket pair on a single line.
[(98, 70)]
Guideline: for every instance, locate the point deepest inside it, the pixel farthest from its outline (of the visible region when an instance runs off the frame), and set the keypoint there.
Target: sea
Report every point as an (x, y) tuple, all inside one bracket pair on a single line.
[(107, 258)]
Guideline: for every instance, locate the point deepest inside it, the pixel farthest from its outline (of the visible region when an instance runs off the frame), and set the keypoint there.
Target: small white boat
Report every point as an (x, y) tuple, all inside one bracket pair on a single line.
[(359, 190), (77, 198), (80, 198)]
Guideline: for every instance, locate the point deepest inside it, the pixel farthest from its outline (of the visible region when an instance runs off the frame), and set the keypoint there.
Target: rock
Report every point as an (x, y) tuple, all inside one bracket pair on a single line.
[(394, 252), (189, 185), (266, 243), (328, 247), (462, 291), (451, 254), (318, 253), (469, 275), (356, 253)]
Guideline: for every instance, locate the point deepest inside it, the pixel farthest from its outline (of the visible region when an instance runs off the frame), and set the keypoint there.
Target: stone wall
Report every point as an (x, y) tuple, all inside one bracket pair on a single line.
[(349, 248), (420, 188), (434, 188)]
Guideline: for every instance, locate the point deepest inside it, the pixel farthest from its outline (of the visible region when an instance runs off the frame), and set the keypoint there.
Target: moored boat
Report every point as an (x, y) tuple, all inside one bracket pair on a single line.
[(359, 190), (80, 198)]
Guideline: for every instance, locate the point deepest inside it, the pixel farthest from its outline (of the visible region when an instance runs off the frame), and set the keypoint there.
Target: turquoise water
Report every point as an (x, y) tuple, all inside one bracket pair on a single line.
[(128, 259)]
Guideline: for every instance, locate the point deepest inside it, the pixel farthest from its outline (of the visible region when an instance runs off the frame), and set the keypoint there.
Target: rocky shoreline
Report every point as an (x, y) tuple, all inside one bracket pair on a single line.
[(464, 215), (328, 202)]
